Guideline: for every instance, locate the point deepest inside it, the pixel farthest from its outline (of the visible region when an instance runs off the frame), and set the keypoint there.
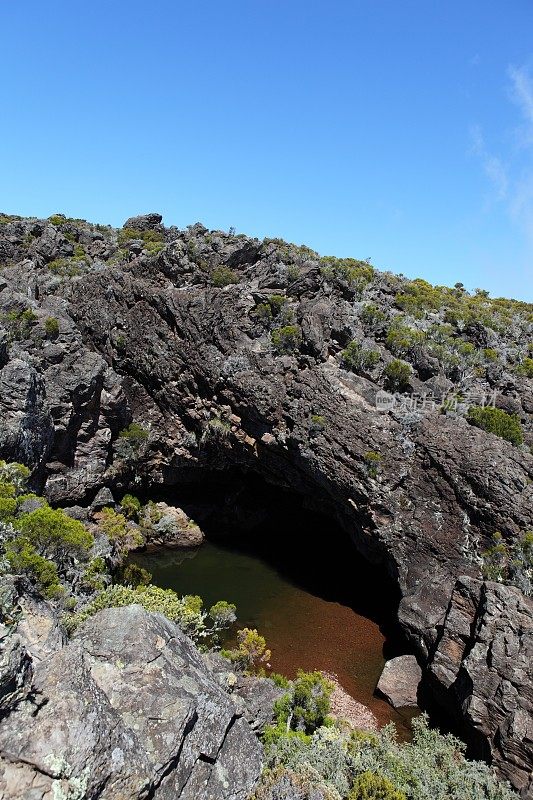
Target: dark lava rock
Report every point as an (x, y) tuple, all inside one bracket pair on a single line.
[(143, 222), (482, 668)]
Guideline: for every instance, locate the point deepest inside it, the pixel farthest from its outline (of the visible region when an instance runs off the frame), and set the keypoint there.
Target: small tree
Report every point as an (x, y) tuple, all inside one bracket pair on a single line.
[(251, 652), (356, 357), (131, 506), (223, 276)]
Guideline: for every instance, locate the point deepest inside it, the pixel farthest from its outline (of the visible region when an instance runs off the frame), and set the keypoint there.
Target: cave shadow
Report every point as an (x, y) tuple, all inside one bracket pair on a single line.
[(243, 513)]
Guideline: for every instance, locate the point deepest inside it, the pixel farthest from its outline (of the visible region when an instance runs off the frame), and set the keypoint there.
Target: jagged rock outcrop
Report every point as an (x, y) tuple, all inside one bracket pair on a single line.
[(225, 352), (483, 667), (127, 708)]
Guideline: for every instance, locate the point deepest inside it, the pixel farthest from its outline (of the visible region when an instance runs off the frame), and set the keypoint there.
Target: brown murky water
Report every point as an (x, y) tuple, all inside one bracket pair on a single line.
[(304, 627)]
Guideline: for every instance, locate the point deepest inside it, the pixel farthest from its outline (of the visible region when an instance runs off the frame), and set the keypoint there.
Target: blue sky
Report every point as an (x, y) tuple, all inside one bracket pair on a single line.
[(399, 131)]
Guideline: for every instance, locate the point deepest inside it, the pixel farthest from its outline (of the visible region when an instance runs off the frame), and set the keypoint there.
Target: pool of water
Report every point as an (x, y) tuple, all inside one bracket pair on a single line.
[(312, 621)]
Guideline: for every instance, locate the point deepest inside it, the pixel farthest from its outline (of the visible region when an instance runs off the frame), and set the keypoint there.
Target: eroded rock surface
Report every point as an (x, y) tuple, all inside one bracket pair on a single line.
[(127, 709), (483, 668)]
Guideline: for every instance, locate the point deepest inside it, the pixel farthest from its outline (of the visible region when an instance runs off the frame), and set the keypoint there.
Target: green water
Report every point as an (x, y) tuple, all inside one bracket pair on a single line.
[(305, 627)]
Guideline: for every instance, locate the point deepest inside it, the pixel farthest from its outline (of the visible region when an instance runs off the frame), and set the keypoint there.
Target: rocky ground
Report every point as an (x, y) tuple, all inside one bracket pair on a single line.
[(126, 708), (151, 356)]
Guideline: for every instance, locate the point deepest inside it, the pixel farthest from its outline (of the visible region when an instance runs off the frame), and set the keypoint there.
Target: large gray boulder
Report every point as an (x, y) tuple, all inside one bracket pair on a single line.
[(128, 709), (399, 681)]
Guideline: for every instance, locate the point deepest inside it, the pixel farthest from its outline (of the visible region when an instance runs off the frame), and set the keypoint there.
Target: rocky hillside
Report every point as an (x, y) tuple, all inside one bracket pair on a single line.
[(151, 355)]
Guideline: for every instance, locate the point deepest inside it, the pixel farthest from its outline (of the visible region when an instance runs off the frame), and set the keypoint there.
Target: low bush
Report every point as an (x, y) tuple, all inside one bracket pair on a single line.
[(251, 652), (223, 276), (373, 786), (397, 374), (358, 765), (131, 506), (500, 423), (526, 368), (356, 357), (51, 327), (510, 562), (286, 339), (55, 535), (24, 560), (306, 705)]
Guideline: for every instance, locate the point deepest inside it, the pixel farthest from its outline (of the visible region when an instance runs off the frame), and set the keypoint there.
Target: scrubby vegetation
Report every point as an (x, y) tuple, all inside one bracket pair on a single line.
[(223, 276), (187, 611), (343, 763), (286, 339), (494, 420), (251, 653), (510, 562), (397, 374), (358, 358), (44, 544)]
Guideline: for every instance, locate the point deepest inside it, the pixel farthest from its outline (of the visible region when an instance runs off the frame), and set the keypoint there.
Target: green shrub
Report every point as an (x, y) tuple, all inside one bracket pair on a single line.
[(498, 422), (8, 508), (55, 535), (286, 339), (20, 323), (356, 357), (118, 530), (318, 423), (186, 611), (67, 267), (223, 276), (490, 354), (526, 367), (397, 374), (402, 339), (430, 766), (373, 786), (251, 651), (371, 314), (134, 575), (57, 219), (92, 577), (24, 560), (510, 563), (263, 312), (14, 475), (51, 326), (132, 439), (131, 506), (373, 461), (354, 274), (306, 705)]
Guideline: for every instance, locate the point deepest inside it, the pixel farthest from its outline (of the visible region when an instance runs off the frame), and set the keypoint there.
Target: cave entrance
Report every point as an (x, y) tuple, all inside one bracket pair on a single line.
[(294, 574)]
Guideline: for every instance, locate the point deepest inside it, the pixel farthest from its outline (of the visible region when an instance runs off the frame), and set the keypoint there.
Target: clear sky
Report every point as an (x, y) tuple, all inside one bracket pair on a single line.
[(399, 131)]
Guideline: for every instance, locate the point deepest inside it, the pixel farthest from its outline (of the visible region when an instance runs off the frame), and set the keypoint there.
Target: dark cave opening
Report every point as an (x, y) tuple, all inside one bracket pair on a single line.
[(242, 512)]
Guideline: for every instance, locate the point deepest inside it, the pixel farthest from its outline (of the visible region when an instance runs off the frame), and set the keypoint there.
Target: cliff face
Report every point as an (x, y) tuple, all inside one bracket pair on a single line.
[(227, 352)]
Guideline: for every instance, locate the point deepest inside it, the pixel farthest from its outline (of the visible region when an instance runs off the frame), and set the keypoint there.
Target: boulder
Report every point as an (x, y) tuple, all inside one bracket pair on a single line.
[(399, 681), (167, 525), (144, 222), (127, 709)]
